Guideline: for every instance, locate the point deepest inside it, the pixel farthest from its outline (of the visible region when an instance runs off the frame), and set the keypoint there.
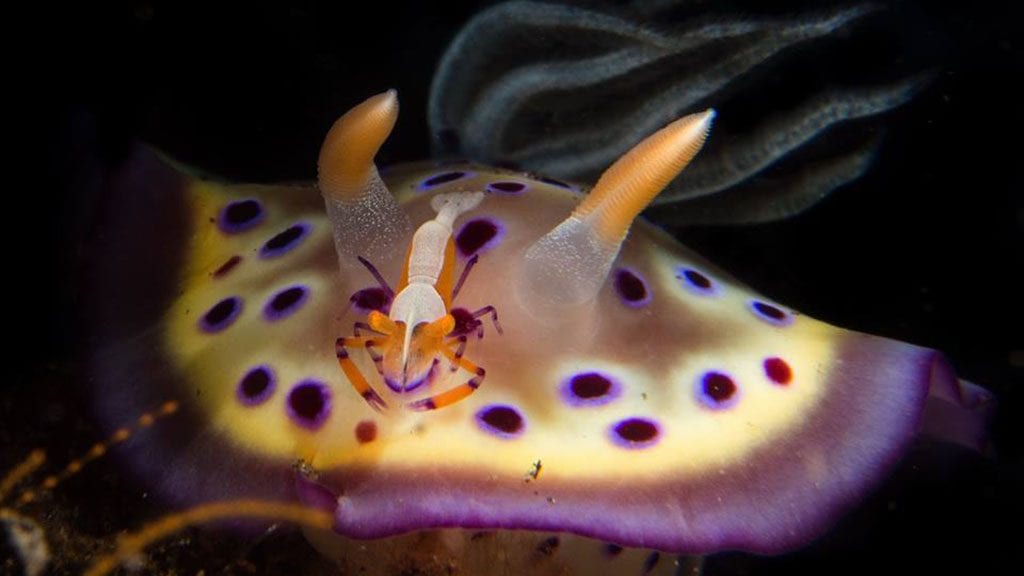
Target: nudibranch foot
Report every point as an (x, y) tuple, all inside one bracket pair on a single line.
[(495, 553), (482, 551)]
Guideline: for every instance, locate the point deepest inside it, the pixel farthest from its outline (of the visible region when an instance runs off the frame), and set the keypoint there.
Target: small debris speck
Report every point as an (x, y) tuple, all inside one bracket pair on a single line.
[(534, 471)]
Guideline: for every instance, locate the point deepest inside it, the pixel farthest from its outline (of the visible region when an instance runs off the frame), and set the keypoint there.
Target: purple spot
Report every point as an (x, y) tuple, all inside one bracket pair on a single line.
[(632, 288), (635, 433), (590, 389), (285, 303), (442, 178), (369, 299), (717, 390), (554, 182), (309, 404), (770, 313), (612, 550), (500, 420), (285, 240), (221, 315), (548, 546), (227, 266), (240, 216), (506, 187), (477, 235), (777, 370), (256, 386), (650, 562), (696, 281)]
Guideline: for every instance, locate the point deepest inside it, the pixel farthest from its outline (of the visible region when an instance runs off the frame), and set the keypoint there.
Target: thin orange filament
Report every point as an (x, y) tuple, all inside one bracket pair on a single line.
[(21, 471), (130, 545), (75, 466)]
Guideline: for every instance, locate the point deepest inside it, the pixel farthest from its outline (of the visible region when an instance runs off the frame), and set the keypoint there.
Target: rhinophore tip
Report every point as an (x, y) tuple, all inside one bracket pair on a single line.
[(365, 217), (346, 156), (629, 185), (568, 266)]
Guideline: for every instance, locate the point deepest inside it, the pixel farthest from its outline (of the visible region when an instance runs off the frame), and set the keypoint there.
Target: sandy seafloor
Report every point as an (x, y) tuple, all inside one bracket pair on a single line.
[(926, 248)]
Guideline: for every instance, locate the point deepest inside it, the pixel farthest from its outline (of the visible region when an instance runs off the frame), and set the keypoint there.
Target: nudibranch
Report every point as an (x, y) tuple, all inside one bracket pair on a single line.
[(632, 397)]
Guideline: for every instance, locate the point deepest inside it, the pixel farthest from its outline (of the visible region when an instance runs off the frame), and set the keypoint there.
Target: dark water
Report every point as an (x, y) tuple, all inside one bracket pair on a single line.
[(926, 248)]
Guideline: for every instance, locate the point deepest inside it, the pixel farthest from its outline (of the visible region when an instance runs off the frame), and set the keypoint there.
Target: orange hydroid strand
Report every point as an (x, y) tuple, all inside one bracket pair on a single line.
[(130, 545), (32, 463), (346, 156), (97, 450), (629, 185)]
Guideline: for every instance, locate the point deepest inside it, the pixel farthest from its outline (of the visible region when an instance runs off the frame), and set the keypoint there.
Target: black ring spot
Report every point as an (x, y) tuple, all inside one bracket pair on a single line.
[(221, 315), (769, 311), (241, 215), (636, 431), (697, 279), (554, 182), (630, 286), (718, 386), (284, 241), (474, 235), (590, 385), (309, 403), (503, 420), (442, 179), (506, 187), (256, 386), (285, 302)]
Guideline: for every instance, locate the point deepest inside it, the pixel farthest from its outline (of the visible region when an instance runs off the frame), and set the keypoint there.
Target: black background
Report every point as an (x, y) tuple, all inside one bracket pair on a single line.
[(926, 248)]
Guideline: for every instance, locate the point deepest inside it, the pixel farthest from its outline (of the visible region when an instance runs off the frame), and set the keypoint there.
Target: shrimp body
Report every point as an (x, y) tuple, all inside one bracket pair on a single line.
[(419, 331)]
